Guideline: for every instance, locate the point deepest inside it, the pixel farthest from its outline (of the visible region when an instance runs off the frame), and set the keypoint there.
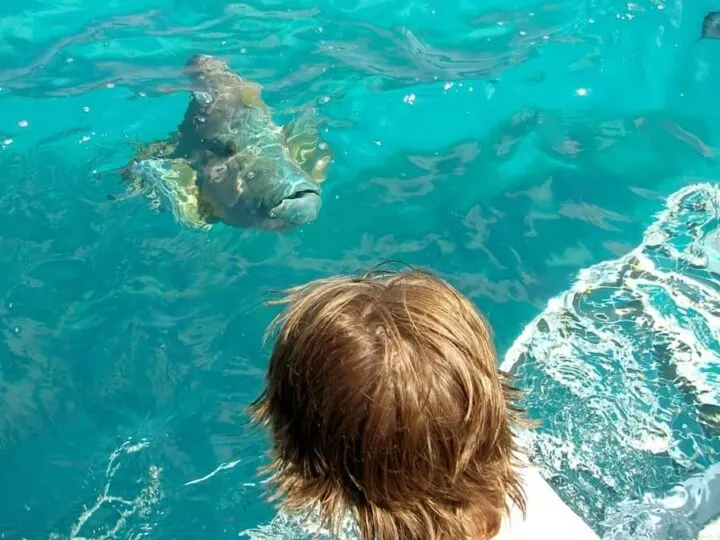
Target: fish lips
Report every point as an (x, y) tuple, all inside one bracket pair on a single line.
[(298, 207)]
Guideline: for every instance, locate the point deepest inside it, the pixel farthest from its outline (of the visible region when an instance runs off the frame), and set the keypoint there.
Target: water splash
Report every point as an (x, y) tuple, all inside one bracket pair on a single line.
[(678, 513), (295, 526), (110, 514), (624, 368)]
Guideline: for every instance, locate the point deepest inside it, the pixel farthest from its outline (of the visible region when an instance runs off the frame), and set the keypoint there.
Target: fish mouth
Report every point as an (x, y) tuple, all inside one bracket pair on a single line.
[(298, 207), (299, 194)]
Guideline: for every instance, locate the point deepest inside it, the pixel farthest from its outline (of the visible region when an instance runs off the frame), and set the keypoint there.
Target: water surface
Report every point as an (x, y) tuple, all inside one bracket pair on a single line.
[(505, 146)]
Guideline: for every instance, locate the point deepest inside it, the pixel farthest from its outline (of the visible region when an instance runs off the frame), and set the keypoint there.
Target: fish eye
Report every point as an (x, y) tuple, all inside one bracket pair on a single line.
[(216, 171), (230, 148)]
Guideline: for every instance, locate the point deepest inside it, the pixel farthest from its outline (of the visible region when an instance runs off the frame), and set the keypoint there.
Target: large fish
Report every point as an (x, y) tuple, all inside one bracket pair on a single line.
[(230, 162)]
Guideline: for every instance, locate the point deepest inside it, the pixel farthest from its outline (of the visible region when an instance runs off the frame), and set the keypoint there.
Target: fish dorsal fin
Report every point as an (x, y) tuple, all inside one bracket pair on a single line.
[(212, 81), (249, 94), (229, 89)]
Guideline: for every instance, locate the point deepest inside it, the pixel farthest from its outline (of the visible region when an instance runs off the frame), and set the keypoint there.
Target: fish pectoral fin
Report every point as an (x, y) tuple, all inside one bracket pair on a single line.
[(174, 182), (306, 147), (162, 149)]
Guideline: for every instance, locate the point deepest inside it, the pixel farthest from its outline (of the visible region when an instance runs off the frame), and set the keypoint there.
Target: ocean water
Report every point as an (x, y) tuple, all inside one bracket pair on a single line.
[(511, 146)]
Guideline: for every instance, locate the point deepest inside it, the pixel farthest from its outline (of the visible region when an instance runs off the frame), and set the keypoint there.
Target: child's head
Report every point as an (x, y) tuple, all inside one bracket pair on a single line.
[(384, 398)]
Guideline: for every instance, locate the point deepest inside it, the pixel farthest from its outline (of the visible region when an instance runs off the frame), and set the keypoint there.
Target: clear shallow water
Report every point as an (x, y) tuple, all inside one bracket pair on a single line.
[(507, 147)]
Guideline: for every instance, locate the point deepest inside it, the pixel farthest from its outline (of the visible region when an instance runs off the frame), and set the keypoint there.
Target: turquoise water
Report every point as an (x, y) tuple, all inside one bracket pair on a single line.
[(507, 146)]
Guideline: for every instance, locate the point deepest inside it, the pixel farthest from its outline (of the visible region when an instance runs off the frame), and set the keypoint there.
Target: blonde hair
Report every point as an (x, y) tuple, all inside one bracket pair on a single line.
[(384, 398)]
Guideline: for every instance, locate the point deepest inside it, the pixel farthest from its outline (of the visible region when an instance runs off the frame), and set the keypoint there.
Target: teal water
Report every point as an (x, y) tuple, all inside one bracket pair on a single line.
[(505, 145)]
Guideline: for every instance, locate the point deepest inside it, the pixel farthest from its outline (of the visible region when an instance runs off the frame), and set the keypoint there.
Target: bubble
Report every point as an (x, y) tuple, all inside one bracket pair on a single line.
[(581, 91), (69, 60), (410, 99), (323, 100), (110, 85), (85, 109), (23, 123), (7, 142), (447, 86)]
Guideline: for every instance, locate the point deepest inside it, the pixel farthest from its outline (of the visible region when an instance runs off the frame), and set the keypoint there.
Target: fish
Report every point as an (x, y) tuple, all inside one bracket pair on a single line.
[(229, 161)]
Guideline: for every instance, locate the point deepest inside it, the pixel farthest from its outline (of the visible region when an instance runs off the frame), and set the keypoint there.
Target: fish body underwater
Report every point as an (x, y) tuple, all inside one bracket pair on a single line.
[(711, 25), (230, 162)]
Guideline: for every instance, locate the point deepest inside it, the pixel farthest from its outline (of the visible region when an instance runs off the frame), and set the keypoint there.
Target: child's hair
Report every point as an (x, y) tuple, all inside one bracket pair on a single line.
[(384, 398)]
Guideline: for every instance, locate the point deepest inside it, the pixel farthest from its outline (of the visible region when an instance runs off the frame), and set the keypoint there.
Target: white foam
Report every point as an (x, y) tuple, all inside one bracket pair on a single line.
[(690, 509), (711, 532), (630, 355), (666, 304), (140, 505)]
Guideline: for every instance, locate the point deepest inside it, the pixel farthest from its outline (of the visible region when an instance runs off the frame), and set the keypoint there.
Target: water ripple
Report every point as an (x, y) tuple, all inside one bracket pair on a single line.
[(631, 350), (459, 145)]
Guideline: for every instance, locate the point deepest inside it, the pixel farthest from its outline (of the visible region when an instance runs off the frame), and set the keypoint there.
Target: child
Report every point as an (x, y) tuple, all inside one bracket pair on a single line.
[(384, 399)]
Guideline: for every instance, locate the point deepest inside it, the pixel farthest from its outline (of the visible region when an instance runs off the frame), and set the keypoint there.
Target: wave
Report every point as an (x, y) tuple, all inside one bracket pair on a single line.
[(623, 370)]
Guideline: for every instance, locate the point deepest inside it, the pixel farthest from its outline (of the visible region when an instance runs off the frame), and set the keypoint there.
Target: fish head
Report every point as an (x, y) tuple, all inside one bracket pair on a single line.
[(204, 65), (260, 189), (290, 197)]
